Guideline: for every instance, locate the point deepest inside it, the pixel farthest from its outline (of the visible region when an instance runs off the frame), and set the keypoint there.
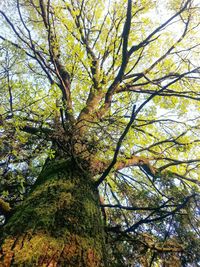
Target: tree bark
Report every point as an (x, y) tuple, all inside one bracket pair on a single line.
[(58, 224)]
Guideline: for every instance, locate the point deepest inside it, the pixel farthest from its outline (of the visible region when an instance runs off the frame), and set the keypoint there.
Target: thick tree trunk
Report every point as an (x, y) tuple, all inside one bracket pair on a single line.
[(59, 224)]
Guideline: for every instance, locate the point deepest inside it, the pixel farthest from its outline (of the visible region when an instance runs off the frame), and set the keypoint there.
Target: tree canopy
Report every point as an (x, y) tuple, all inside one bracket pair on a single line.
[(115, 83)]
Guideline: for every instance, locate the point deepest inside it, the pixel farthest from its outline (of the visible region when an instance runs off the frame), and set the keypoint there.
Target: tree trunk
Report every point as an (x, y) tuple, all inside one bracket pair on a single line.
[(59, 224)]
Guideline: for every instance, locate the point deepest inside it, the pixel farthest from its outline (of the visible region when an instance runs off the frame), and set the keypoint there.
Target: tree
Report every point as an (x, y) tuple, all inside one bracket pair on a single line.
[(99, 133)]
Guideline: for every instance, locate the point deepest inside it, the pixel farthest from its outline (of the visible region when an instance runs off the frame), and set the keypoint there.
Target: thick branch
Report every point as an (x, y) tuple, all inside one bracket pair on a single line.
[(125, 55), (54, 51), (34, 130), (96, 93)]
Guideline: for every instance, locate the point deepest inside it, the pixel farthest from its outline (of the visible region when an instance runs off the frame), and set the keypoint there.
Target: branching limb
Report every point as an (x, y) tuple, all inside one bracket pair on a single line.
[(158, 29), (36, 55), (54, 52), (125, 56), (178, 162), (133, 208), (107, 171), (148, 219)]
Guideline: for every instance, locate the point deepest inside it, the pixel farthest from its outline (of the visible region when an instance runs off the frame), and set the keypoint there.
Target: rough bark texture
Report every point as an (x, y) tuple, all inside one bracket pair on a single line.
[(59, 224)]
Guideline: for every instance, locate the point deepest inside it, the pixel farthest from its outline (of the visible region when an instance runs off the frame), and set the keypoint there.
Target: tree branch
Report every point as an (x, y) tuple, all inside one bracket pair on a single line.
[(148, 38), (119, 143), (125, 55), (147, 220)]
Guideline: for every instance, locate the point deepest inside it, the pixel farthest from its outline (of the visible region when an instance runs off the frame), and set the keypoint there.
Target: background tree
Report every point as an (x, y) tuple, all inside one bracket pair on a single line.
[(99, 99)]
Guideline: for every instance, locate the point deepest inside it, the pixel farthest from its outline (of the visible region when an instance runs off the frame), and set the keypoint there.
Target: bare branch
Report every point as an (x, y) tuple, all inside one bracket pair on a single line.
[(119, 143)]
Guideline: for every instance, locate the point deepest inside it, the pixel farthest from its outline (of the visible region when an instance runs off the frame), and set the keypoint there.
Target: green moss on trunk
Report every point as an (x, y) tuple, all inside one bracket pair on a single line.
[(59, 224)]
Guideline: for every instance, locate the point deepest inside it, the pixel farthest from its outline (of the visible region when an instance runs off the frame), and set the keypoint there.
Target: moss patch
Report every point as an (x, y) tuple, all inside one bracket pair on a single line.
[(60, 220)]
